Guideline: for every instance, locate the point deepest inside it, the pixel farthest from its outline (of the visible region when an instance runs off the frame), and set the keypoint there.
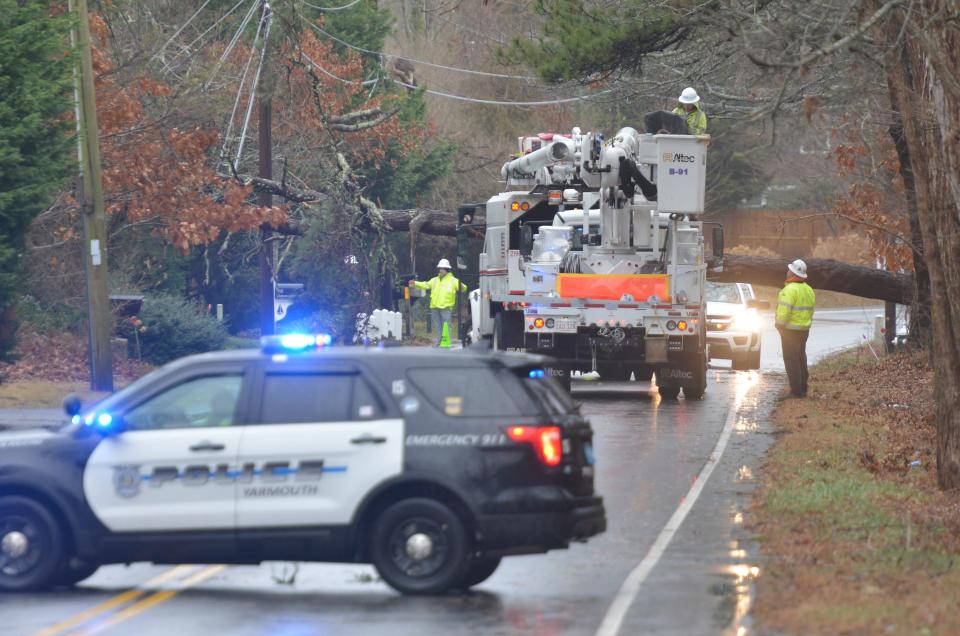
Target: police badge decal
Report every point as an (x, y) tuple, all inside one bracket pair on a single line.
[(126, 481)]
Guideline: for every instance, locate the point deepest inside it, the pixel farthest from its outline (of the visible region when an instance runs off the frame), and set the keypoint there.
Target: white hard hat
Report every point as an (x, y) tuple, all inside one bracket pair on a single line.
[(689, 96), (443, 264), (798, 268)]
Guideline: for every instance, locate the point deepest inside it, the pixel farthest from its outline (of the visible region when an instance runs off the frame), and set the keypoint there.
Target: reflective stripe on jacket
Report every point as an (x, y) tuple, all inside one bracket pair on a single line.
[(696, 119), (795, 306), (443, 291)]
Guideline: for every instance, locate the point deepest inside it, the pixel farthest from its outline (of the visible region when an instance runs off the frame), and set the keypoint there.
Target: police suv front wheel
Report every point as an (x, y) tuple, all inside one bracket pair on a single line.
[(420, 546), (31, 545)]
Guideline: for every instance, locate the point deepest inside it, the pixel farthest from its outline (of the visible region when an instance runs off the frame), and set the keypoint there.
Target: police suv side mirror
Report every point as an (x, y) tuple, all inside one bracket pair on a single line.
[(72, 404)]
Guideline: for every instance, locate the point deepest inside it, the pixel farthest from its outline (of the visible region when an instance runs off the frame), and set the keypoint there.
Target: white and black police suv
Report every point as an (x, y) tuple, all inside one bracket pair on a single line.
[(432, 465)]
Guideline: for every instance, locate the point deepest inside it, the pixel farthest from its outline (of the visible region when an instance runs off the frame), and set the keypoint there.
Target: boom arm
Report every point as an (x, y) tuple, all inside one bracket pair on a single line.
[(560, 149)]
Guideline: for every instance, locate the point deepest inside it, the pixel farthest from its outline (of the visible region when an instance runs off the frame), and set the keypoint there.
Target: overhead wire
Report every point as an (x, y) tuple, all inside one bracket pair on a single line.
[(381, 55), (464, 98), (233, 41), (330, 9), (240, 88), (182, 27), (268, 16), (331, 75), (189, 46)]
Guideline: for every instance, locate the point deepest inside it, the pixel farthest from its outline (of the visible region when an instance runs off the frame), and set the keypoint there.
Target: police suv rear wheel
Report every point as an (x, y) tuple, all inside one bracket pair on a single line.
[(31, 545), (481, 569), (420, 546)]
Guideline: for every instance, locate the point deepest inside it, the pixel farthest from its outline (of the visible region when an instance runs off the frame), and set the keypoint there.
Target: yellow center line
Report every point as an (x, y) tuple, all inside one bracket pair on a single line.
[(154, 599), (116, 601)]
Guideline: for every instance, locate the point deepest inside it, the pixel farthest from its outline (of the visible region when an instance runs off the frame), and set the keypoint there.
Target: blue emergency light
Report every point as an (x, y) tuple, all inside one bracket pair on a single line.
[(294, 342), (101, 420), (537, 373)]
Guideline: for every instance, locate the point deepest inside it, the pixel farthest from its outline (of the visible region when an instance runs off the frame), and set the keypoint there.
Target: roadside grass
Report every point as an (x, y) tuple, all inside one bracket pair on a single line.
[(38, 393), (857, 537)]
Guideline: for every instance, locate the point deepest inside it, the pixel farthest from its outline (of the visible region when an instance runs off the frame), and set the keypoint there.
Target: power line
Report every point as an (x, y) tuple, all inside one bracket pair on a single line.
[(474, 100), (184, 26), (233, 41), (268, 18), (330, 9), (336, 77), (497, 102), (381, 54), (209, 29), (243, 83)]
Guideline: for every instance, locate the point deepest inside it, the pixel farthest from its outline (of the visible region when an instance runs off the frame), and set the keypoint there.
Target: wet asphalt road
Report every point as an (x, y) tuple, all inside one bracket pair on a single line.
[(649, 454)]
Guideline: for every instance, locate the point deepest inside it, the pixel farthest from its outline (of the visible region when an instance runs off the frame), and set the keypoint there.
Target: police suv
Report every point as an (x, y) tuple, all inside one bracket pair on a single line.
[(430, 465)]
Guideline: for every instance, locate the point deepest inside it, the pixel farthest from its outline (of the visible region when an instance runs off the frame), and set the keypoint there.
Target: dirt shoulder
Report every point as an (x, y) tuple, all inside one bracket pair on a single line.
[(857, 537)]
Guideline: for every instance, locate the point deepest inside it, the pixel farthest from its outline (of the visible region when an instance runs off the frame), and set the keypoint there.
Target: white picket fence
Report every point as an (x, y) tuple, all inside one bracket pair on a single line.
[(382, 324)]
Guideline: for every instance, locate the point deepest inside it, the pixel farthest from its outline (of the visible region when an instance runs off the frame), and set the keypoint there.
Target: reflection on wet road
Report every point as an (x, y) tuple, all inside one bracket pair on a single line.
[(649, 453)]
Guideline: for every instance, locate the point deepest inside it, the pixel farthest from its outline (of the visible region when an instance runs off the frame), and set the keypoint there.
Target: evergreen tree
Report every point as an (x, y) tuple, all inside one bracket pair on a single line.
[(35, 141)]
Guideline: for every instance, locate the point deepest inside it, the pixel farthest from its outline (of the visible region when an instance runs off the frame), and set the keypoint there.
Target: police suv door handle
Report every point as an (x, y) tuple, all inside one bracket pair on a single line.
[(207, 446), (366, 438)]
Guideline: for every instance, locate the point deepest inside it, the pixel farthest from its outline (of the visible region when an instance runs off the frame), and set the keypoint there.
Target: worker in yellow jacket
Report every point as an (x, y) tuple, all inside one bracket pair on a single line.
[(795, 305), (443, 295), (689, 108)]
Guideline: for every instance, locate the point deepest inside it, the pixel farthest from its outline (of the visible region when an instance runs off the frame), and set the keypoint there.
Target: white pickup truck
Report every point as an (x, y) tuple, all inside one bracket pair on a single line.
[(733, 324)]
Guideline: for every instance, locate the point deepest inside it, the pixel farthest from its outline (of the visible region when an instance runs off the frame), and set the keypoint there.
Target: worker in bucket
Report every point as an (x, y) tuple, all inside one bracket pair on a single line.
[(795, 305), (443, 296), (689, 108)]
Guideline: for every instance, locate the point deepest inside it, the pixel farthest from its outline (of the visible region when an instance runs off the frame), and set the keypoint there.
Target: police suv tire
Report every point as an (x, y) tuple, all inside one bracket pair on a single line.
[(394, 533), (481, 569), (70, 574), (669, 392), (40, 564)]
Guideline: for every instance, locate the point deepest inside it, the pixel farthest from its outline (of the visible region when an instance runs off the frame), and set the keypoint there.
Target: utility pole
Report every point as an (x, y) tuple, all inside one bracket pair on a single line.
[(265, 156), (94, 215)]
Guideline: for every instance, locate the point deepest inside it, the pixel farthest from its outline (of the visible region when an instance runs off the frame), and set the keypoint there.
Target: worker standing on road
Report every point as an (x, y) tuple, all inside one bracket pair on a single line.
[(689, 109), (795, 305), (443, 295)]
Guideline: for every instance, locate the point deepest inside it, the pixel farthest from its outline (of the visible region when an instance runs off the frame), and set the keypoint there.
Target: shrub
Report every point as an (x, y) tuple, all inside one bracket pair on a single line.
[(171, 327), (49, 317)]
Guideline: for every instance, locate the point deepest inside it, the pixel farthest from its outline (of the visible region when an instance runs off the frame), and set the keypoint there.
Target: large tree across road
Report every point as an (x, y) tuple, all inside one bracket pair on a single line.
[(35, 140)]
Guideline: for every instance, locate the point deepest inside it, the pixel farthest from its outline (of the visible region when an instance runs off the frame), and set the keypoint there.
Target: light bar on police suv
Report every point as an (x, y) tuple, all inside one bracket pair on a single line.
[(294, 342)]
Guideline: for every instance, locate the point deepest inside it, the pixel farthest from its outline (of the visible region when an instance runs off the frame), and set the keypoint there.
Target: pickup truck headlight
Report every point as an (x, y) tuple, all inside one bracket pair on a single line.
[(747, 320)]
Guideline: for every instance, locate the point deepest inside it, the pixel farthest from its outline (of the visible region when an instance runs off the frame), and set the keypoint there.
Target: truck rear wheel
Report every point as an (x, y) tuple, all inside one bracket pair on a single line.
[(508, 331), (642, 374), (614, 372), (669, 392)]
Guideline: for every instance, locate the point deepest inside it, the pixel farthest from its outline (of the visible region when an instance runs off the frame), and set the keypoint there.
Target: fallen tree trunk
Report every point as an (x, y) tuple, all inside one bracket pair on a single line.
[(824, 273)]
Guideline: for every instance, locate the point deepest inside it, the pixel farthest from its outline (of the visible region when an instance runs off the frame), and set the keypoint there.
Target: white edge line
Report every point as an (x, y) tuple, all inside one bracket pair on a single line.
[(630, 587)]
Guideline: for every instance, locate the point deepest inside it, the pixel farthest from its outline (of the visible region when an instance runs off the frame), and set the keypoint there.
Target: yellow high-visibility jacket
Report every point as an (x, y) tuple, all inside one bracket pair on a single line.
[(795, 306), (696, 119), (443, 291)]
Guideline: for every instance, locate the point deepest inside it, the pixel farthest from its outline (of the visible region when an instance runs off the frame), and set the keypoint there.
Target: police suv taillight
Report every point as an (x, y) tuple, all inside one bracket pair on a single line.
[(547, 442)]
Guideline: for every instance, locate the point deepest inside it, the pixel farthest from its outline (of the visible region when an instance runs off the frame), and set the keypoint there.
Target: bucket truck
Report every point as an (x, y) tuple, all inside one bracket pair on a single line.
[(594, 254)]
